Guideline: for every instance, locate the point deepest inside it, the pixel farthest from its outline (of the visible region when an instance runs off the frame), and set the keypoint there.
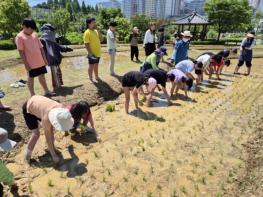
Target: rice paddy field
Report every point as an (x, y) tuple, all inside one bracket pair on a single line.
[(209, 145)]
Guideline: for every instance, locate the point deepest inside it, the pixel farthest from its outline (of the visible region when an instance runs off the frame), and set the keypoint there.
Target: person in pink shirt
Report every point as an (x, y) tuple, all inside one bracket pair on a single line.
[(32, 53)]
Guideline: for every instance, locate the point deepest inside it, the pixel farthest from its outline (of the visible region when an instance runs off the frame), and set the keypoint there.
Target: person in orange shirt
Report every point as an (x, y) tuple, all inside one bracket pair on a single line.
[(32, 53)]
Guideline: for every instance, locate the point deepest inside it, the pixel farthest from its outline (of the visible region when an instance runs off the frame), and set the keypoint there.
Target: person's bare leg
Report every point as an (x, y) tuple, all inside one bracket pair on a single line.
[(4, 107), (112, 62), (90, 72), (30, 84), (50, 143), (236, 69), (96, 71), (127, 98), (31, 143), (248, 70), (43, 83)]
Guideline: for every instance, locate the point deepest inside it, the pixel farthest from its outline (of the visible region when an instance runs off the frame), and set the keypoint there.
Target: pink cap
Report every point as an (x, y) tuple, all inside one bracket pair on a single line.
[(151, 84)]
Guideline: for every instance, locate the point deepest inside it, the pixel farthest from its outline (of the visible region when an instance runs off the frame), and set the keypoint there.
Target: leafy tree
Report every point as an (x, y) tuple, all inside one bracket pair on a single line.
[(83, 8), (12, 13), (124, 28), (106, 15), (63, 3), (60, 18), (140, 21), (228, 15), (76, 6)]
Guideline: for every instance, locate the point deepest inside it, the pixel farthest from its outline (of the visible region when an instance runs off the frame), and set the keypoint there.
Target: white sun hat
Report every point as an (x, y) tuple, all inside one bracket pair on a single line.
[(5, 143), (151, 84), (250, 35), (187, 34), (61, 119)]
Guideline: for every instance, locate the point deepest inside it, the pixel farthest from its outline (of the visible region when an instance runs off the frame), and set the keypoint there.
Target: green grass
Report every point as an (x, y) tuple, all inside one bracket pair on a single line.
[(5, 54)]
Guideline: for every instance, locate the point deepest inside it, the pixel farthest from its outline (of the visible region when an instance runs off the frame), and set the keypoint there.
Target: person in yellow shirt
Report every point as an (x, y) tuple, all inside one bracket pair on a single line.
[(92, 44)]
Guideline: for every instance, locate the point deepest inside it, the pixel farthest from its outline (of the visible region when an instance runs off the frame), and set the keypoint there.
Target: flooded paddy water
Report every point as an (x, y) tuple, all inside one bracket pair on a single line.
[(193, 148)]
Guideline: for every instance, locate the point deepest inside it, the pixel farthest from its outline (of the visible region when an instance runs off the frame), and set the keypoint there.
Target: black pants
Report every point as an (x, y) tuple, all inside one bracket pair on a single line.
[(149, 48), (134, 51)]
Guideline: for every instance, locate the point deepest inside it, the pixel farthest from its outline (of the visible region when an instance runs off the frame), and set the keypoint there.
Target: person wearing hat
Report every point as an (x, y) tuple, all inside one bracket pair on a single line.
[(53, 53), (132, 82), (149, 40), (52, 116), (161, 78), (154, 59), (179, 81), (182, 47), (112, 45), (188, 66), (246, 53), (133, 39), (33, 56)]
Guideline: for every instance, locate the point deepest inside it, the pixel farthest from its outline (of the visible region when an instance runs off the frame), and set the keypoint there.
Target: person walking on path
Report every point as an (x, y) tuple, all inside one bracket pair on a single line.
[(112, 45), (134, 44), (33, 56), (93, 46), (246, 53)]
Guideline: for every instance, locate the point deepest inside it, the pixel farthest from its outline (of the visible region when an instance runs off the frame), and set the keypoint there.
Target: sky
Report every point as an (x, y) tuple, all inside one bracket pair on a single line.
[(91, 2)]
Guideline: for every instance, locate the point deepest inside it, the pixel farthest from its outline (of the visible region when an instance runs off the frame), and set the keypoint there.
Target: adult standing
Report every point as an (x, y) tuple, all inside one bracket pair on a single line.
[(134, 44), (246, 53), (112, 45), (161, 40), (182, 47), (149, 40), (93, 46)]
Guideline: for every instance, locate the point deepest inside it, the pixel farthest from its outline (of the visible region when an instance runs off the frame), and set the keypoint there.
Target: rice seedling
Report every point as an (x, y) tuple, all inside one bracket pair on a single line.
[(174, 193), (104, 179), (144, 179), (203, 180), (134, 189), (152, 171), (183, 189), (68, 191), (49, 183), (210, 172), (87, 161), (30, 190), (149, 194), (95, 154), (125, 179), (110, 107), (159, 187), (196, 187), (45, 170), (136, 171), (109, 172)]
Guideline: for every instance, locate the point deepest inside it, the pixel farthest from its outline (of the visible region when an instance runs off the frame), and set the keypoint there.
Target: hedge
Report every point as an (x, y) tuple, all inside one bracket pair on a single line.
[(208, 42), (7, 45)]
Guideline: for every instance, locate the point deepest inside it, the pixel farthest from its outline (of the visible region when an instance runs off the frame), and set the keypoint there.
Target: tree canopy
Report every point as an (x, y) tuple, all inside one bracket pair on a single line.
[(229, 15)]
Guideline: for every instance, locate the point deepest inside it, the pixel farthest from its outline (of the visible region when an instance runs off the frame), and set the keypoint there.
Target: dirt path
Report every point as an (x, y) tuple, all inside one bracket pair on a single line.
[(189, 149)]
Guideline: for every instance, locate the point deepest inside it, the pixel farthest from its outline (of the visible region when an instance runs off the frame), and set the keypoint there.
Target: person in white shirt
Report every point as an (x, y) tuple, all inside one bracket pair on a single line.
[(112, 45), (149, 40)]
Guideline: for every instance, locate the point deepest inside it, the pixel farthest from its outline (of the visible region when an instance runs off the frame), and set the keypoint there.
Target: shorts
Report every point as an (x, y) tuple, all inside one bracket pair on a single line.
[(112, 51), (37, 72), (93, 60), (248, 63), (30, 119), (198, 72)]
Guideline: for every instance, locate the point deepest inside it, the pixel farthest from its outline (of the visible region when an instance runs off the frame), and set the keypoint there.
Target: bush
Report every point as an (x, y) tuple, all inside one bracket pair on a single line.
[(75, 38), (208, 42), (7, 45), (212, 34)]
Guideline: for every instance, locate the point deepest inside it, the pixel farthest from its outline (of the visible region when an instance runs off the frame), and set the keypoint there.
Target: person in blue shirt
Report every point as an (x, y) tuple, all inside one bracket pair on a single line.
[(182, 47)]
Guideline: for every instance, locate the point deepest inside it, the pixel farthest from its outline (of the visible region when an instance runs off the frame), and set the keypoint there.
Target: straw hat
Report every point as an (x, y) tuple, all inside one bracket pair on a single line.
[(187, 34), (5, 143), (61, 119), (250, 35)]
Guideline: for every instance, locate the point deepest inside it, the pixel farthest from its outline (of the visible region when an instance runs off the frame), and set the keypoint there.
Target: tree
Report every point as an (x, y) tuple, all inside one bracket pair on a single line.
[(12, 13), (140, 21), (76, 6), (228, 16), (83, 8), (106, 15), (60, 18), (123, 28)]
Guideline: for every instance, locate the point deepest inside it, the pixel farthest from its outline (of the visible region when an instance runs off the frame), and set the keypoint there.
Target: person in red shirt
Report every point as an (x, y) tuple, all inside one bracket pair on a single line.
[(217, 62)]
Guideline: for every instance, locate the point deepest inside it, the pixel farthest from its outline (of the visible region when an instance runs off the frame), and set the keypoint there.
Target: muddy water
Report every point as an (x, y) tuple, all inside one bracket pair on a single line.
[(193, 148)]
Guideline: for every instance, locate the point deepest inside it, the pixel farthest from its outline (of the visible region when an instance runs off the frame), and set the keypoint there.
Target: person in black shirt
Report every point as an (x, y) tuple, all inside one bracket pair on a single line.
[(133, 81), (161, 78)]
